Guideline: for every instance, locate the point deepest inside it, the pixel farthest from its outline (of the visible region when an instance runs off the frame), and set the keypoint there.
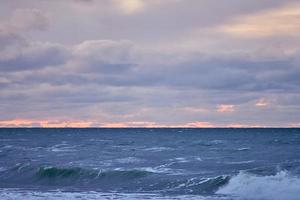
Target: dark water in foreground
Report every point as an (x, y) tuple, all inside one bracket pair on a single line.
[(210, 164)]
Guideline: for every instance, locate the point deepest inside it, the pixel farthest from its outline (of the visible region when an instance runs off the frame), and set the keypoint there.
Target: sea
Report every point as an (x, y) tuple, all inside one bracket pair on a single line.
[(153, 164)]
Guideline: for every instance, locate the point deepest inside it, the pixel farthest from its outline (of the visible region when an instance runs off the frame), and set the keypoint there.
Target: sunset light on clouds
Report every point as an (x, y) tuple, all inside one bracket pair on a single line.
[(275, 21), (225, 108), (139, 63)]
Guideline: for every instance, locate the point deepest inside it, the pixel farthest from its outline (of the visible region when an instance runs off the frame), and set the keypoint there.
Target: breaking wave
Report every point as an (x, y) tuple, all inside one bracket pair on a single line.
[(121, 180), (245, 185), (281, 186)]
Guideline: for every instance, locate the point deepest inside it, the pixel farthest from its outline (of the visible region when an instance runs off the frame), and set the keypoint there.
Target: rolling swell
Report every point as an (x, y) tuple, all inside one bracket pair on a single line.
[(31, 176), (281, 185), (63, 173), (117, 180), (53, 172)]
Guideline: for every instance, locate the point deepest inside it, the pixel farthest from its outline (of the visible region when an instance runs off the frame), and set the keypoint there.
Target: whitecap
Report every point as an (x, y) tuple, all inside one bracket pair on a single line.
[(198, 159), (281, 186), (2, 169), (240, 162), (8, 194), (128, 160), (244, 149), (158, 149), (180, 160), (162, 170), (184, 159), (63, 147)]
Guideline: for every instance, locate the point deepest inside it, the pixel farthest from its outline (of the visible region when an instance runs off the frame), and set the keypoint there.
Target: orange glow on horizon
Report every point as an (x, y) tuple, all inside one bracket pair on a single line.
[(44, 123), (244, 126), (130, 124), (26, 123), (85, 124), (199, 125), (294, 125)]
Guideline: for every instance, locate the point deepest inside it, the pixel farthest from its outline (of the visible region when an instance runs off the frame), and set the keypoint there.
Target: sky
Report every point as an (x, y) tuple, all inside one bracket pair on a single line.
[(149, 63)]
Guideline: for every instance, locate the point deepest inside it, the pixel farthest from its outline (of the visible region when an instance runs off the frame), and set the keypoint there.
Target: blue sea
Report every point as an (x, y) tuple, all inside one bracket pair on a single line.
[(202, 164)]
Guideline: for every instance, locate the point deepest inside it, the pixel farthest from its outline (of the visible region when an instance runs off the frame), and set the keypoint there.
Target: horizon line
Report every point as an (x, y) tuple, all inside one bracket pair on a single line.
[(145, 127)]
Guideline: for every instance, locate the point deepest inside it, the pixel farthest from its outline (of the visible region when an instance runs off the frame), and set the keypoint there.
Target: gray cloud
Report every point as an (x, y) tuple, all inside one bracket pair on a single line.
[(32, 56), (18, 53), (165, 63), (28, 19)]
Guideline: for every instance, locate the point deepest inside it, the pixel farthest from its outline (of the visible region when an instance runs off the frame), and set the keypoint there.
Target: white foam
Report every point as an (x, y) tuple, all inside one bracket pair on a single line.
[(198, 159), (128, 160), (162, 169), (180, 160), (6, 194), (2, 169), (184, 159), (244, 149), (281, 186), (240, 162), (63, 147), (158, 149)]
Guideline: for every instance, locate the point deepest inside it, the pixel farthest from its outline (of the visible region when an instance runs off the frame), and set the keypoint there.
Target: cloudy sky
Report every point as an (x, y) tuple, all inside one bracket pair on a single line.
[(114, 63)]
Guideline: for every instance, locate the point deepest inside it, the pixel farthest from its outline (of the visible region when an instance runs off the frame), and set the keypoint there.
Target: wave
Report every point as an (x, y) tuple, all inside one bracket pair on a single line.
[(120, 180), (207, 186), (9, 194), (63, 147), (244, 149), (281, 186), (158, 149), (128, 160), (281, 141), (54, 172), (209, 143), (240, 162), (2, 169), (24, 175), (245, 185)]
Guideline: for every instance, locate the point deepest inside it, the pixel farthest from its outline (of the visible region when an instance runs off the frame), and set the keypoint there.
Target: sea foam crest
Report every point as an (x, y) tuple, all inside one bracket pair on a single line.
[(281, 186)]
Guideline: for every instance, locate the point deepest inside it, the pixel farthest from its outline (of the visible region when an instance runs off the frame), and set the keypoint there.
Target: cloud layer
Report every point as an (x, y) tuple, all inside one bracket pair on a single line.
[(149, 64)]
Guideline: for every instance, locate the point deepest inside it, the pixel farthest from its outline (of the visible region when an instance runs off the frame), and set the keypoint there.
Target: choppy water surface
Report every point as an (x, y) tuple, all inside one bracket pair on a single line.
[(209, 164)]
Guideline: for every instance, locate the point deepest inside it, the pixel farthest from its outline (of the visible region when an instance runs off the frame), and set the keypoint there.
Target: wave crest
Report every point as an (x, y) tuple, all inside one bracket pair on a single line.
[(281, 186), (54, 172)]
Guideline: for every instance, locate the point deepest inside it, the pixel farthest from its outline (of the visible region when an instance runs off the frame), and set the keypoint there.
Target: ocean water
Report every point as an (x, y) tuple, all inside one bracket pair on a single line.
[(204, 164)]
